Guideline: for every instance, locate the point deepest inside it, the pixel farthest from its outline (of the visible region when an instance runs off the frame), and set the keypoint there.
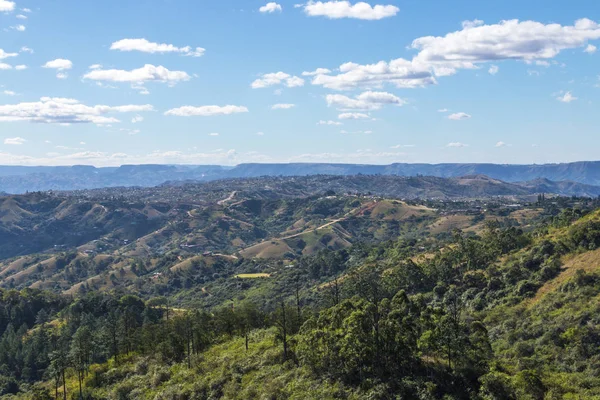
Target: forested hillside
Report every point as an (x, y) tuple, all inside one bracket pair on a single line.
[(502, 312)]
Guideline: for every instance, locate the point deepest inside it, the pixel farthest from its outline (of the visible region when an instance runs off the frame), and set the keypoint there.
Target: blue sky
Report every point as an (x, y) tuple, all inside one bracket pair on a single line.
[(226, 82)]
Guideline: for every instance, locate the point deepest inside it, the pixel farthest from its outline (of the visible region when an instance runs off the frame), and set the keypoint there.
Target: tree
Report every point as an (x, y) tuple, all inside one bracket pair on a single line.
[(58, 365), (80, 354)]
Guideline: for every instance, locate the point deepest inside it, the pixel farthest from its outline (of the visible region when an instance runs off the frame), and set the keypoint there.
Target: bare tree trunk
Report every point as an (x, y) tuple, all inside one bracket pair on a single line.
[(64, 385), (284, 332)]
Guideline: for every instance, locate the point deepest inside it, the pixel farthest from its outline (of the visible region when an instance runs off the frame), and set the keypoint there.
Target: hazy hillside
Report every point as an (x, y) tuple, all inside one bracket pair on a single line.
[(22, 179)]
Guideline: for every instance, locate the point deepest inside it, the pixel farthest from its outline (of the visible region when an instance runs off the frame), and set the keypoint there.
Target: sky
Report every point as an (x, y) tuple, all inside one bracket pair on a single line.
[(231, 81)]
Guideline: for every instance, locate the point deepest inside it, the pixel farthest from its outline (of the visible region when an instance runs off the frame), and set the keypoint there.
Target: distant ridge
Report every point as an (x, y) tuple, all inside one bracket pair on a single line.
[(20, 179)]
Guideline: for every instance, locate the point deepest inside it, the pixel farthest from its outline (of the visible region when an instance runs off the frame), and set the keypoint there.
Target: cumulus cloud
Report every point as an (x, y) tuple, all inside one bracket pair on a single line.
[(56, 110), (5, 66), (21, 16), (443, 110), (457, 144), (344, 9), (493, 70), (353, 116), (528, 41), (400, 73), (364, 101), (147, 73), (4, 54), (500, 144), (329, 122), (146, 46), (566, 98), (459, 116), (270, 8), (21, 67), (15, 141), (590, 49), (507, 40), (26, 49), (282, 106), (9, 93), (206, 111), (318, 71), (6, 6), (277, 78), (95, 66), (136, 119), (60, 64), (20, 28)]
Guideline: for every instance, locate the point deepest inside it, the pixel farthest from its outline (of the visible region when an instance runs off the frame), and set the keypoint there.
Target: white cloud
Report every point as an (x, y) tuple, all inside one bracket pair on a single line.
[(528, 41), (4, 66), (206, 111), (282, 106), (318, 71), (344, 9), (501, 144), (95, 66), (493, 70), (60, 64), (329, 122), (20, 28), (590, 49), (136, 119), (147, 73), (9, 93), (130, 131), (277, 78), (64, 111), (26, 10), (260, 133), (457, 144), (270, 8), (146, 46), (364, 101), (443, 110), (459, 116), (62, 75), (566, 98), (6, 6), (472, 24), (26, 49), (213, 134), (353, 116), (17, 141), (507, 40), (4, 54), (399, 72), (399, 146), (21, 67), (21, 16)]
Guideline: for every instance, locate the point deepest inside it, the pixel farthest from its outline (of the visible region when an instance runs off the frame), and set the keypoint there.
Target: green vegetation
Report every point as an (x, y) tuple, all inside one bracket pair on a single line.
[(505, 313), (293, 292)]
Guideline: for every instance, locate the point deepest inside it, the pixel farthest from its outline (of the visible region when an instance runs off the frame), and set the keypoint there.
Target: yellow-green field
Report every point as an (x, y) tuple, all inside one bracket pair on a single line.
[(253, 276)]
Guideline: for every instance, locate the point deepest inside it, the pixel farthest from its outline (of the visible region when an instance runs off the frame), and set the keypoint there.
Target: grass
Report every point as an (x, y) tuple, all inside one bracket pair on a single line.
[(588, 262)]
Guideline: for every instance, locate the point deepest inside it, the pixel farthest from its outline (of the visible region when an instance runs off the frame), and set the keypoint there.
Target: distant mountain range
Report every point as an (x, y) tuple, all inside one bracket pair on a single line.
[(18, 179)]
